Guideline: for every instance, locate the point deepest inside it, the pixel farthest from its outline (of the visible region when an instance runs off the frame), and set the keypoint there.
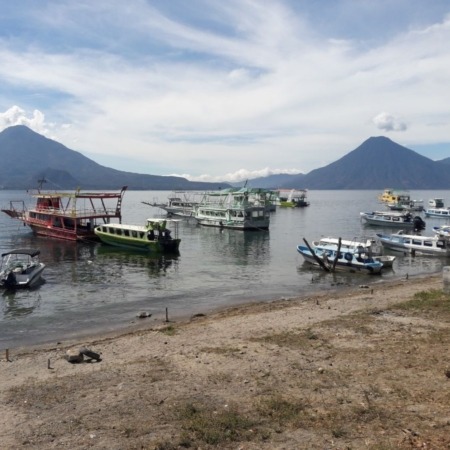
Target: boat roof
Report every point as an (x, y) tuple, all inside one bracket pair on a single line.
[(23, 251), (79, 194)]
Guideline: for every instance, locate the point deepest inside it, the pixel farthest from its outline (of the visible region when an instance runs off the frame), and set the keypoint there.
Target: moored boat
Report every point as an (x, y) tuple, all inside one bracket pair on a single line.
[(154, 237), (393, 219), (240, 209), (429, 245), (332, 257), (21, 268), (443, 213), (179, 203), (70, 216), (293, 198), (360, 246), (390, 195)]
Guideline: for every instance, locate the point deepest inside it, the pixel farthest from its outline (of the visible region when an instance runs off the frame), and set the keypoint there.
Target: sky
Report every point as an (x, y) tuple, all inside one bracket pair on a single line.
[(227, 90)]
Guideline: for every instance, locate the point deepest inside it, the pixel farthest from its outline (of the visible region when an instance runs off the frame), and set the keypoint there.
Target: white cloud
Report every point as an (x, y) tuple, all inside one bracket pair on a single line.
[(388, 122), (246, 84), (239, 175)]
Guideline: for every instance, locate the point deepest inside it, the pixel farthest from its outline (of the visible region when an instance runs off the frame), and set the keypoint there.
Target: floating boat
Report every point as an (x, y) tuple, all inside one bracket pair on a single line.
[(154, 237), (429, 245), (389, 195), (360, 246), (294, 198), (443, 213), (436, 203), (239, 209), (393, 219), (21, 268), (179, 203), (331, 257), (70, 216), (406, 204), (443, 230)]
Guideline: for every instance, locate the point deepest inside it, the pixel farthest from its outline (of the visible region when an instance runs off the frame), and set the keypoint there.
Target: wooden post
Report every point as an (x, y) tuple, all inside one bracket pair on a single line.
[(167, 314), (337, 254), (319, 261), (7, 354)]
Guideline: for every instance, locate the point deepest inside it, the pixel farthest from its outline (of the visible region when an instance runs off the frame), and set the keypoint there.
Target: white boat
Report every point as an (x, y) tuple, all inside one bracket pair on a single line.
[(179, 203), (293, 198), (21, 268), (443, 213), (327, 257), (154, 237), (443, 230), (239, 209), (393, 219), (429, 245), (366, 246), (436, 203), (404, 203)]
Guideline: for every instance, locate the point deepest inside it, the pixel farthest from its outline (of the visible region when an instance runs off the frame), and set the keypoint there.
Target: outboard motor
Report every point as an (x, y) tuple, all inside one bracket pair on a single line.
[(419, 223)]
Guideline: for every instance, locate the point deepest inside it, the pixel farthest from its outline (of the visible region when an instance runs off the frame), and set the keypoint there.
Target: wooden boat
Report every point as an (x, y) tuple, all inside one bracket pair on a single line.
[(390, 195), (154, 237), (294, 198), (21, 268), (393, 219), (239, 209), (360, 246), (332, 257), (429, 245), (70, 216), (179, 203)]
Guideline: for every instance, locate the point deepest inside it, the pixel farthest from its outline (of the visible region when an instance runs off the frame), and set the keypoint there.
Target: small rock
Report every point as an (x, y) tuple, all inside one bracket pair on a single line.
[(144, 315), (74, 356)]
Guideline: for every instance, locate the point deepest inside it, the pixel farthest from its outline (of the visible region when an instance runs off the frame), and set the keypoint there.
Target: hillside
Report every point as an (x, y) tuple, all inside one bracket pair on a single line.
[(28, 156), (378, 162)]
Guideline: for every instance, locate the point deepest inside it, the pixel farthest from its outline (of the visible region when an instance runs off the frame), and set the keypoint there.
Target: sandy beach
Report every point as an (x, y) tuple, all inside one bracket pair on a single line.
[(366, 367)]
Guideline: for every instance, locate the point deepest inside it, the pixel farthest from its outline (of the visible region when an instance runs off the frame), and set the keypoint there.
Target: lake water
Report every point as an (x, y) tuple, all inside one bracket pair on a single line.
[(91, 288)]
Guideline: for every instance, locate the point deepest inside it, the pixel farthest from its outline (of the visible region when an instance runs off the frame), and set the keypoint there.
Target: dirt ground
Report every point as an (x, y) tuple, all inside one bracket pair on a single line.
[(360, 368)]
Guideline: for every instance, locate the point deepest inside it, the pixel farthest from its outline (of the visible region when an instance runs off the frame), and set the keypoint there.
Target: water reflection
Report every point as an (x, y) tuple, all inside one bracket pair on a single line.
[(124, 259), (20, 303)]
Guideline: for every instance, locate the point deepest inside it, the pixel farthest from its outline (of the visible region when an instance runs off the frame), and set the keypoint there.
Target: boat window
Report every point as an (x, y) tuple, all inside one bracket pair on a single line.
[(395, 219), (126, 233), (440, 244), (416, 242), (134, 233), (428, 244), (141, 234)]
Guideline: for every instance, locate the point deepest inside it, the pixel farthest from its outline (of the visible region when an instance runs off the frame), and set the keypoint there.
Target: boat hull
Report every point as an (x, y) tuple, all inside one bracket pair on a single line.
[(234, 225), (416, 244), (346, 262)]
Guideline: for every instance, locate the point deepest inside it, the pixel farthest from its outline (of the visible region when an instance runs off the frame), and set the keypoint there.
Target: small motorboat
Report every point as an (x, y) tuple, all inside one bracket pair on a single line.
[(429, 245), (393, 219), (331, 257), (21, 268)]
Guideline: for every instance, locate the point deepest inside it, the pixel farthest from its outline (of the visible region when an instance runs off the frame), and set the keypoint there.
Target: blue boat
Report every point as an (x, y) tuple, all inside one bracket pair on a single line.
[(349, 260)]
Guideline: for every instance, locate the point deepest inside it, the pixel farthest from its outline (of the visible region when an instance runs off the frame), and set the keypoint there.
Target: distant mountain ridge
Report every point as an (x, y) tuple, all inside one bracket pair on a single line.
[(28, 156), (376, 164)]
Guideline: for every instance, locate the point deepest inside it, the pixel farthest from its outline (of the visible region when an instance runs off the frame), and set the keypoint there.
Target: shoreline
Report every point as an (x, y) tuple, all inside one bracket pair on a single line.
[(331, 352), (138, 325)]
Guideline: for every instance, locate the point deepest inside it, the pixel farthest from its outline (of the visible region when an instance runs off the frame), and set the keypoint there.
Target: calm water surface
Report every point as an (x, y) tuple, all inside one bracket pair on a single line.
[(91, 287)]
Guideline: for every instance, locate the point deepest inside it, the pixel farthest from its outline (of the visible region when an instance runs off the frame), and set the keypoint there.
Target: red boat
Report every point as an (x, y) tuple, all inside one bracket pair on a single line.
[(71, 216)]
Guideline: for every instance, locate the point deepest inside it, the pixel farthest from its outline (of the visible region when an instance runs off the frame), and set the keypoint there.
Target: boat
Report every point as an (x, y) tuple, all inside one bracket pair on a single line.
[(443, 230), (235, 208), (331, 257), (443, 213), (429, 245), (436, 203), (390, 195), (293, 198), (70, 216), (153, 237), (404, 203), (360, 246), (179, 203), (21, 268), (393, 219)]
